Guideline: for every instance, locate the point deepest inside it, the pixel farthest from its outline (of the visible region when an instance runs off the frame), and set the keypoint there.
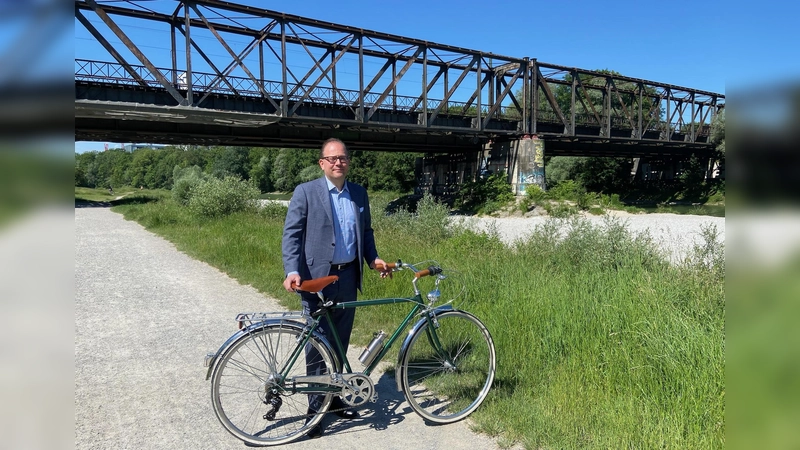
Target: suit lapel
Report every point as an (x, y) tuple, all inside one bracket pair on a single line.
[(325, 198), (357, 213)]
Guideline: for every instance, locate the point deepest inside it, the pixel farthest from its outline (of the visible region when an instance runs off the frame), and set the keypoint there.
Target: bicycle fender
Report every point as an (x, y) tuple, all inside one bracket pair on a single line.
[(257, 327), (411, 333)]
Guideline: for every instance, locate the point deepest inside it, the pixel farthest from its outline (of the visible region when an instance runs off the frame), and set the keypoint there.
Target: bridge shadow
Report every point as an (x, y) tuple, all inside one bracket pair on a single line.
[(138, 200)]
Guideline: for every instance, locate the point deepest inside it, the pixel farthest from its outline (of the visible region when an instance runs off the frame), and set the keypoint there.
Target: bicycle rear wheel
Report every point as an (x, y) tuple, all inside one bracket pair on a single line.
[(246, 389), (447, 371)]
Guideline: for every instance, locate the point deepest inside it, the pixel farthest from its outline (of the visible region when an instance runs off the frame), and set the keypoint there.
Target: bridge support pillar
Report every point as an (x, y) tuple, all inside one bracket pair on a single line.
[(523, 161), (443, 174)]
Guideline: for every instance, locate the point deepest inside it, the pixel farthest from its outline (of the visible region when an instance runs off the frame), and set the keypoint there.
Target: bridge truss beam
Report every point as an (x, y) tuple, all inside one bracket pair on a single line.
[(251, 69)]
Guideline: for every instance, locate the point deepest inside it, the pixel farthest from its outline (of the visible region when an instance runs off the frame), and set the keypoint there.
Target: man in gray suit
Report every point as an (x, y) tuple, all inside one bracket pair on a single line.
[(328, 231)]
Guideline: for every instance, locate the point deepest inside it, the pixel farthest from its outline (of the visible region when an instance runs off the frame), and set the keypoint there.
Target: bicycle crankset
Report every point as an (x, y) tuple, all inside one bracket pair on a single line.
[(358, 389)]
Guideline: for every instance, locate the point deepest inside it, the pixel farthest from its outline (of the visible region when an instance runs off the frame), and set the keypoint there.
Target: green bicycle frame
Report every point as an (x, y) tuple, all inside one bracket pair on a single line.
[(419, 304)]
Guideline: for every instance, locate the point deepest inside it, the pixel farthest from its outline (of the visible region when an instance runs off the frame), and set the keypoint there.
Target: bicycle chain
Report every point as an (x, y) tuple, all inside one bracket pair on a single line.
[(309, 415)]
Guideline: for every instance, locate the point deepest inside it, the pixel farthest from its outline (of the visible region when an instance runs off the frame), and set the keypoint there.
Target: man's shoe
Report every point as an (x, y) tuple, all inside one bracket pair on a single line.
[(338, 408), (315, 432), (348, 414)]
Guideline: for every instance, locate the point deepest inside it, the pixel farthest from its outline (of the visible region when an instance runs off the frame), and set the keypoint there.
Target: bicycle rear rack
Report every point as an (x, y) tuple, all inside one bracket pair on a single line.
[(247, 319)]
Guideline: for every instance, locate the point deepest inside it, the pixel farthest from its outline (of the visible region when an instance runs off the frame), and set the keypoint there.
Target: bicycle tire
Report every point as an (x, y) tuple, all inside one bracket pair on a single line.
[(447, 387), (241, 381)]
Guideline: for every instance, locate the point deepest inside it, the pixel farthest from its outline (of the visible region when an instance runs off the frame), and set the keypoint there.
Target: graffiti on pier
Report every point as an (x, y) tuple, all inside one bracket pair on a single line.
[(531, 163)]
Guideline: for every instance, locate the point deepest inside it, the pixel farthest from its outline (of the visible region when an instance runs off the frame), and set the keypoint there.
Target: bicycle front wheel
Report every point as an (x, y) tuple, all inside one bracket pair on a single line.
[(247, 389), (447, 370)]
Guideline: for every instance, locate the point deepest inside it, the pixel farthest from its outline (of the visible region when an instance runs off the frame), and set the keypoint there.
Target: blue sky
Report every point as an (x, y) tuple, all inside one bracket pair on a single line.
[(709, 45)]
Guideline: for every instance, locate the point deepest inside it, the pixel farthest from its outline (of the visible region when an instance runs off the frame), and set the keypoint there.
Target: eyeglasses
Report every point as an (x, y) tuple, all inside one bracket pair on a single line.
[(332, 159)]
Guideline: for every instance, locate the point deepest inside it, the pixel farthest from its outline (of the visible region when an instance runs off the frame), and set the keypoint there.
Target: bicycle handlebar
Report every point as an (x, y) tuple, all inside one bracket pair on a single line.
[(432, 270)]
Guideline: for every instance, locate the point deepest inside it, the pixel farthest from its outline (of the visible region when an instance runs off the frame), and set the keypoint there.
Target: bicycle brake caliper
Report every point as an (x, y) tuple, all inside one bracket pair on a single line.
[(434, 320)]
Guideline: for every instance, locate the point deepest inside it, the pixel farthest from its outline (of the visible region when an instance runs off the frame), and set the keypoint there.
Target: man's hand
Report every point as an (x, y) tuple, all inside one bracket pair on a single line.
[(292, 278), (385, 272)]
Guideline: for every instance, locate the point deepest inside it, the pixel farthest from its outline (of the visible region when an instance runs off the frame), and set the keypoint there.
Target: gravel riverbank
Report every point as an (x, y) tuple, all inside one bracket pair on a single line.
[(675, 234)]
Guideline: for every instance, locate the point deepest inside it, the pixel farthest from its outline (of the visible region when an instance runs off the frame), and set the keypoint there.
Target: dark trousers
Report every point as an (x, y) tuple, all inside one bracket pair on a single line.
[(344, 290)]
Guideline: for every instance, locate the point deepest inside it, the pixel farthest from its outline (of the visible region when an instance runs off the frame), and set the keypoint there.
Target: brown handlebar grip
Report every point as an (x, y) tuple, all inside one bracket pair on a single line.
[(385, 266), (422, 273)]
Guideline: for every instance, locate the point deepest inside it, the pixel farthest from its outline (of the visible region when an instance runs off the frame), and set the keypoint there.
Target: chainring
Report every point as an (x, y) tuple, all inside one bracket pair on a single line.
[(358, 389)]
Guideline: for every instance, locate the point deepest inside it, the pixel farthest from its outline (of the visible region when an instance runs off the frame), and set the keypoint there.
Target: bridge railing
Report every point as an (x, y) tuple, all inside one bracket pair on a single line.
[(114, 73), (210, 83)]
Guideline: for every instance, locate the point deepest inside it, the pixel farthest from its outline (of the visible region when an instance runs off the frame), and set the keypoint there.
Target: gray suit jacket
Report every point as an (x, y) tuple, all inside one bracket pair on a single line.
[(308, 238)]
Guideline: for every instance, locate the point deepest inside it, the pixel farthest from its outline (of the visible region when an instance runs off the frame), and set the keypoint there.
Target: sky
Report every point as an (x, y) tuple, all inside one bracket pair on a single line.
[(708, 45)]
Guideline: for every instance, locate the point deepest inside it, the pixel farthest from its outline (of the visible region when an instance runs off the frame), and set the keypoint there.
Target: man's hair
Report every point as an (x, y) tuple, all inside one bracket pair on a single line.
[(328, 141)]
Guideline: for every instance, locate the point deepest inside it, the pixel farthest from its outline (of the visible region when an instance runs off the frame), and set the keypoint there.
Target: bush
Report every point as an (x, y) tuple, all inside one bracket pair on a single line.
[(535, 193), (186, 179), (219, 197), (273, 210), (430, 221), (565, 190), (431, 218), (491, 193), (584, 200)]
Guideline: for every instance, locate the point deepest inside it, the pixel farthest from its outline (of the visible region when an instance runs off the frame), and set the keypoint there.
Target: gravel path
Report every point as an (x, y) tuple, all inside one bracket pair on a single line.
[(145, 316)]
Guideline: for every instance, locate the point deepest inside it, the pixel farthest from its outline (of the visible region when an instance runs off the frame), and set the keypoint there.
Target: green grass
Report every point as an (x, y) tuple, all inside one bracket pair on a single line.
[(600, 342)]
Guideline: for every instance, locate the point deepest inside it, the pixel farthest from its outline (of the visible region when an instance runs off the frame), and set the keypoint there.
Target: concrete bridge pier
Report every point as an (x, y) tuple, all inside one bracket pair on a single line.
[(522, 159)]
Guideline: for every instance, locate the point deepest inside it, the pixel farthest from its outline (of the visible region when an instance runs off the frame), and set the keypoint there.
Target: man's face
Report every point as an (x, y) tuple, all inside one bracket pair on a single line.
[(338, 169)]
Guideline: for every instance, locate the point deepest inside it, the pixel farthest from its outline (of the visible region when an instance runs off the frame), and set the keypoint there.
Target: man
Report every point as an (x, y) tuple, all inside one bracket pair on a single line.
[(328, 231)]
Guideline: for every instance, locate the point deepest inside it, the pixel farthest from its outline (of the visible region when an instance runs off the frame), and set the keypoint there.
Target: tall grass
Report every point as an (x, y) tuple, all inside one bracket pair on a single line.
[(601, 342)]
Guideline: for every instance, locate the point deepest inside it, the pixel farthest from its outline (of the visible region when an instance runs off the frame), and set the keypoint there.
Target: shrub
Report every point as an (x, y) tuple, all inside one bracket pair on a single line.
[(560, 210), (584, 200), (273, 210), (186, 179), (565, 190), (535, 193), (477, 195), (219, 197), (431, 219)]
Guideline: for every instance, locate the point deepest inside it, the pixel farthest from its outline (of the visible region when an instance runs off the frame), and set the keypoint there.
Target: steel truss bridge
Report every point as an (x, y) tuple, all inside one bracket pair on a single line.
[(211, 72)]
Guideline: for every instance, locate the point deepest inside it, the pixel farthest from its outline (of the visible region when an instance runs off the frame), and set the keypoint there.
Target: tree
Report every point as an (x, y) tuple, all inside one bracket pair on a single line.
[(111, 168), (85, 169), (288, 165), (718, 132), (233, 161), (141, 171), (595, 174), (383, 171)]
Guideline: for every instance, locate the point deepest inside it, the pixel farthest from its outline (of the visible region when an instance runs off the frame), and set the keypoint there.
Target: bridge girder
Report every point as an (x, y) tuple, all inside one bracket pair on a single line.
[(326, 78)]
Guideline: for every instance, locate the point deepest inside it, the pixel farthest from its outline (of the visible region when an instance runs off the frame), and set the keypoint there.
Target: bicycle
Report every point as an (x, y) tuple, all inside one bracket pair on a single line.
[(259, 380)]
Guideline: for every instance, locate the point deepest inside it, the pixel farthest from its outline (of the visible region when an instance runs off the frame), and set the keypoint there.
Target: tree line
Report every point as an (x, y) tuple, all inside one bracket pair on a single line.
[(270, 169)]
